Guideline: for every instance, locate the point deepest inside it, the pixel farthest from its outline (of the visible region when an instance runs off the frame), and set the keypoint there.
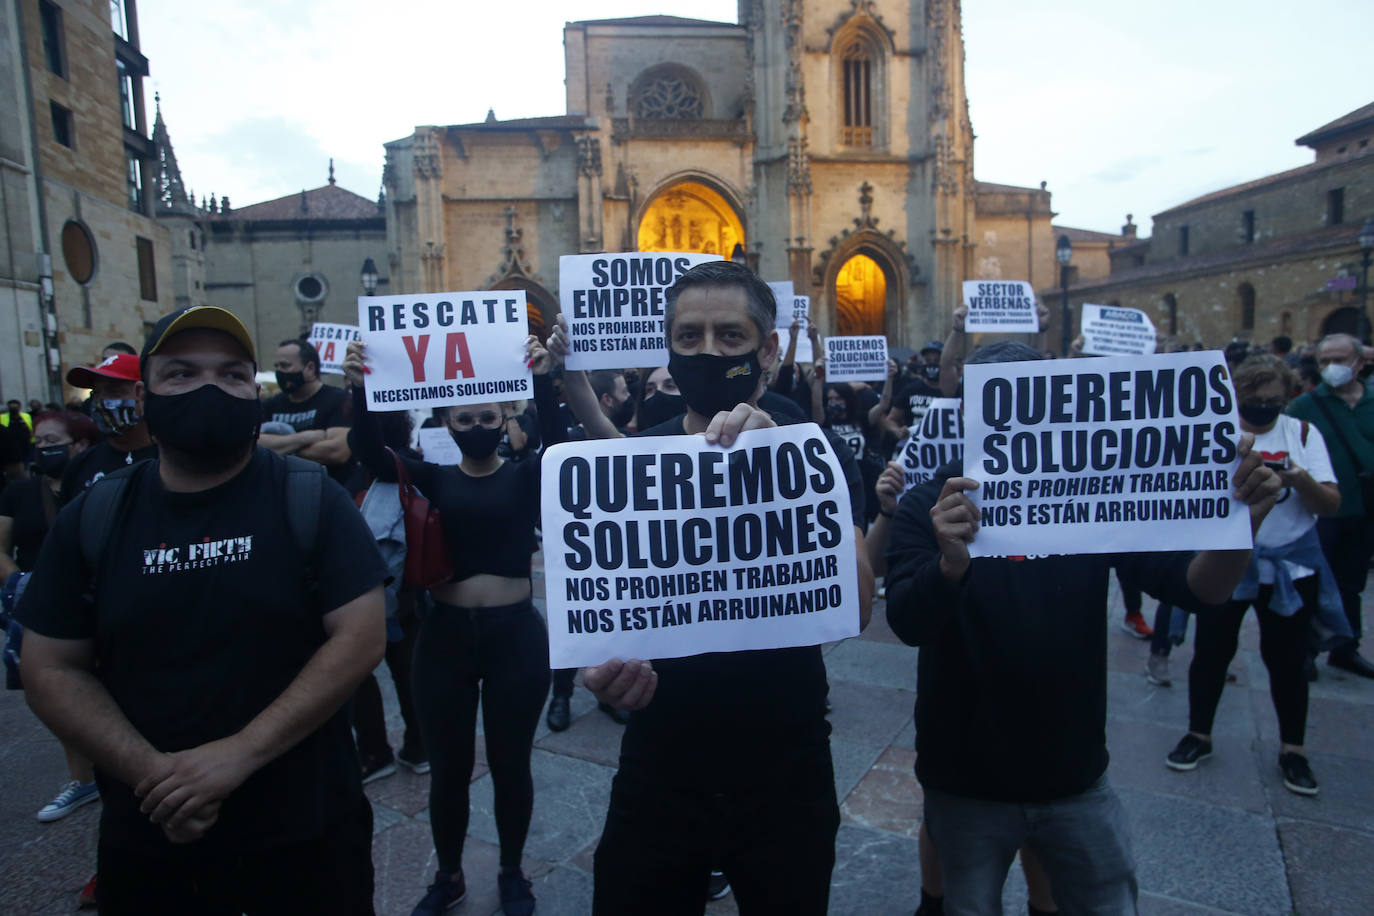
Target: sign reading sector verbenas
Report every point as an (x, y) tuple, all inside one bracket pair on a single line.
[(614, 306), (330, 341), (999, 307), (439, 349), (1110, 330), (1104, 456), (665, 546)]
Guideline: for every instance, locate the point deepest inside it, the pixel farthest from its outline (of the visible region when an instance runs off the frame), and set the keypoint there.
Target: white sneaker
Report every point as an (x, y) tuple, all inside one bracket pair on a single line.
[(1157, 670), (73, 795)]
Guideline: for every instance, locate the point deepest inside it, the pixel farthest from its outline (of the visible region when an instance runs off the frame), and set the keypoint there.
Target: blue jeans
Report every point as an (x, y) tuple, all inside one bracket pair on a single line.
[(1081, 840), (1169, 620)]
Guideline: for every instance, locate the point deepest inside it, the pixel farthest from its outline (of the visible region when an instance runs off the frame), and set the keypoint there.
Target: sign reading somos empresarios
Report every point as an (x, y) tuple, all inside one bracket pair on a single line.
[(1104, 456), (665, 546)]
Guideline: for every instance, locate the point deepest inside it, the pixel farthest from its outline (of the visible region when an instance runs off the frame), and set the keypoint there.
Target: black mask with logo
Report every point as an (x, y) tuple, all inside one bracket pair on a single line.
[(1259, 415), (51, 460), (659, 408), (711, 383), (208, 428), (477, 443), (932, 373), (290, 381)]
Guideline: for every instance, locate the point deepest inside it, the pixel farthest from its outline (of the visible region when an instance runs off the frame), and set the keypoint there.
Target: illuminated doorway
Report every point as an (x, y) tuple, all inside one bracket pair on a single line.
[(690, 217), (860, 297)]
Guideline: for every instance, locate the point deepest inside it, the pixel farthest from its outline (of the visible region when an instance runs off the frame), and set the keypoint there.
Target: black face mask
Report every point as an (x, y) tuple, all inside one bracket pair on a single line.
[(622, 413), (208, 428), (1259, 414), (290, 381), (660, 407), (712, 383), (931, 372), (51, 460), (477, 443), (836, 413)]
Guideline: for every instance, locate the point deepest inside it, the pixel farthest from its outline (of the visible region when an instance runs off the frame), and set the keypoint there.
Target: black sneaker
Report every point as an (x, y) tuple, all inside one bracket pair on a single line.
[(718, 887), (560, 714), (444, 894), (1191, 751), (375, 768), (516, 897), (1297, 775)]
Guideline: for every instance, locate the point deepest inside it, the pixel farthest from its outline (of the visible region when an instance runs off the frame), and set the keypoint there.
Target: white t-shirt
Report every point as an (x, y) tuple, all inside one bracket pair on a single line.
[(1291, 517)]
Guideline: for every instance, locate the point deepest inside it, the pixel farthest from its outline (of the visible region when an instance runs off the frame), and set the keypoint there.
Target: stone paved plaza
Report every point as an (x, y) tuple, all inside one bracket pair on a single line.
[(1227, 838)]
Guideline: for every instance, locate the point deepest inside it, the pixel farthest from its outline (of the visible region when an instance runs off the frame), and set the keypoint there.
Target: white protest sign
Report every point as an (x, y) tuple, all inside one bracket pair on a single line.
[(1110, 330), (856, 359), (935, 442), (1104, 456), (438, 446), (996, 307), (665, 546), (614, 305), (331, 341), (439, 349), (791, 307)]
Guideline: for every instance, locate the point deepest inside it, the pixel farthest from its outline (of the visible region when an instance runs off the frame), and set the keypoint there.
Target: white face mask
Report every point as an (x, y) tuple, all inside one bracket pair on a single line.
[(1336, 374)]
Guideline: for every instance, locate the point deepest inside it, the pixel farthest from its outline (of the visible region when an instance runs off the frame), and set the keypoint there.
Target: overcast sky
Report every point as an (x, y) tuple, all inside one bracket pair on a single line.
[(1120, 107)]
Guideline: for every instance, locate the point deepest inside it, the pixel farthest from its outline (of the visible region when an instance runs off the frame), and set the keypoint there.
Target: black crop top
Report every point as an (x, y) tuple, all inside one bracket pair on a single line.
[(488, 521)]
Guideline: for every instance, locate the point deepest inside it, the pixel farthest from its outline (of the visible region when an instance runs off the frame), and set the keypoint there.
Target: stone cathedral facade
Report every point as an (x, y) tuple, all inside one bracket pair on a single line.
[(826, 141)]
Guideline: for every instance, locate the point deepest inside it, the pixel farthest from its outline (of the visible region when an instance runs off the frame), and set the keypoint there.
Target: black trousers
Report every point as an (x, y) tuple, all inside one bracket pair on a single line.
[(498, 656), (563, 682), (1283, 646), (368, 717), (1347, 543), (775, 842), (330, 874)]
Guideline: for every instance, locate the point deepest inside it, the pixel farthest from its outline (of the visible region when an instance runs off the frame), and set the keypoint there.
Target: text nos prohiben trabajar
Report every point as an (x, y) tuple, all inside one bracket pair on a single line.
[(1136, 467), (776, 548)]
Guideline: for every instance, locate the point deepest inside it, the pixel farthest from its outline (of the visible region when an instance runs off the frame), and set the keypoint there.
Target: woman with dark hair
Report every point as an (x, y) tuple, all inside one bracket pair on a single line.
[(1288, 581), (27, 510), (482, 641)]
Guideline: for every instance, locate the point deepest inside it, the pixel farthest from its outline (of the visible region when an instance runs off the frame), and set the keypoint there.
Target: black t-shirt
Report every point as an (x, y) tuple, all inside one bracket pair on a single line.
[(1011, 695), (95, 462), (23, 502), (733, 719), (327, 408), (915, 398), (489, 521), (202, 619)]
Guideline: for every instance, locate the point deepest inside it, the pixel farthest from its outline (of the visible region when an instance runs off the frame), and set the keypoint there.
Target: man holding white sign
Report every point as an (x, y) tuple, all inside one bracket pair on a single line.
[(1012, 679), (725, 761)]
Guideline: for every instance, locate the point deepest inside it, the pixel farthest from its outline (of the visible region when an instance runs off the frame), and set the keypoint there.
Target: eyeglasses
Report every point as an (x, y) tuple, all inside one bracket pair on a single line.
[(487, 418)]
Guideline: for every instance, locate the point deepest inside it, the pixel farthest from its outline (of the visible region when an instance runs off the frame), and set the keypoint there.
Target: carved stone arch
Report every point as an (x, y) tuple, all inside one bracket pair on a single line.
[(669, 92), (898, 269), (862, 18), (686, 181)]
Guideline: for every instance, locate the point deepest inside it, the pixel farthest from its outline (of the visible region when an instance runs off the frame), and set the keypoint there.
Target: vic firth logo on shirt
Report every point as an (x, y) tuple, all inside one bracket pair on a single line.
[(196, 555)]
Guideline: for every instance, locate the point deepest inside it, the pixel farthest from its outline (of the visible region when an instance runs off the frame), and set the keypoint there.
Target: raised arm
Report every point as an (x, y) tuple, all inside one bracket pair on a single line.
[(552, 430), (581, 399), (878, 411), (928, 558), (952, 356), (365, 438), (818, 390)]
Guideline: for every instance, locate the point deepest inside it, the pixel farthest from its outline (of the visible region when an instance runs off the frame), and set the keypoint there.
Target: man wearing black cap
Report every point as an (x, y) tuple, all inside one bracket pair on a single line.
[(116, 413), (194, 626)]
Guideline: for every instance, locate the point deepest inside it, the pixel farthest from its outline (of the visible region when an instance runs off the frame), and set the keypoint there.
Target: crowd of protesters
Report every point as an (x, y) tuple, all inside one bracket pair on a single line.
[(199, 585)]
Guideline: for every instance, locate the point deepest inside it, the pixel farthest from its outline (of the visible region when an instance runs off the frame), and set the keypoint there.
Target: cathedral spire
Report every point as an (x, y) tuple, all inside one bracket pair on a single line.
[(331, 170), (171, 191)]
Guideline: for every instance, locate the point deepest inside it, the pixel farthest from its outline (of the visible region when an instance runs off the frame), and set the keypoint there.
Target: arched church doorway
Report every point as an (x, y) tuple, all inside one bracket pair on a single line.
[(689, 216), (860, 297), (1344, 320)]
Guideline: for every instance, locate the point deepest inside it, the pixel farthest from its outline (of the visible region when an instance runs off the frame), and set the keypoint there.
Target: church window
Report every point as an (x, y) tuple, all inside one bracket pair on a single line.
[(858, 95), (1171, 310), (1246, 293), (61, 123), (126, 95), (54, 52), (147, 270), (1183, 241), (133, 179), (669, 97), (1335, 206), (860, 297), (1247, 221), (119, 20)]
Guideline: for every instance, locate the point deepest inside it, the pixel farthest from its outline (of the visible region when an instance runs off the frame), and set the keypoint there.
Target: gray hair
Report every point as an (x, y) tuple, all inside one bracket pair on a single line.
[(1349, 339), (763, 308), (1003, 351)]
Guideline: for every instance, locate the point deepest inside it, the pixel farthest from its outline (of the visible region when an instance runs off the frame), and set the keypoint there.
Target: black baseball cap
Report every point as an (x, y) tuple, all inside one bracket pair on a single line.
[(937, 345), (208, 317)]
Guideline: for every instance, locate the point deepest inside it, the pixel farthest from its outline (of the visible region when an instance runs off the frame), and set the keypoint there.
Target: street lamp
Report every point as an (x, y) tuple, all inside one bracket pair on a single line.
[(369, 277), (1063, 251), (1366, 248)]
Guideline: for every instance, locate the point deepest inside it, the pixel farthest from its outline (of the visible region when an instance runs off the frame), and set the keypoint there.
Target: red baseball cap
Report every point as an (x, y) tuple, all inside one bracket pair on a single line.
[(120, 366)]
